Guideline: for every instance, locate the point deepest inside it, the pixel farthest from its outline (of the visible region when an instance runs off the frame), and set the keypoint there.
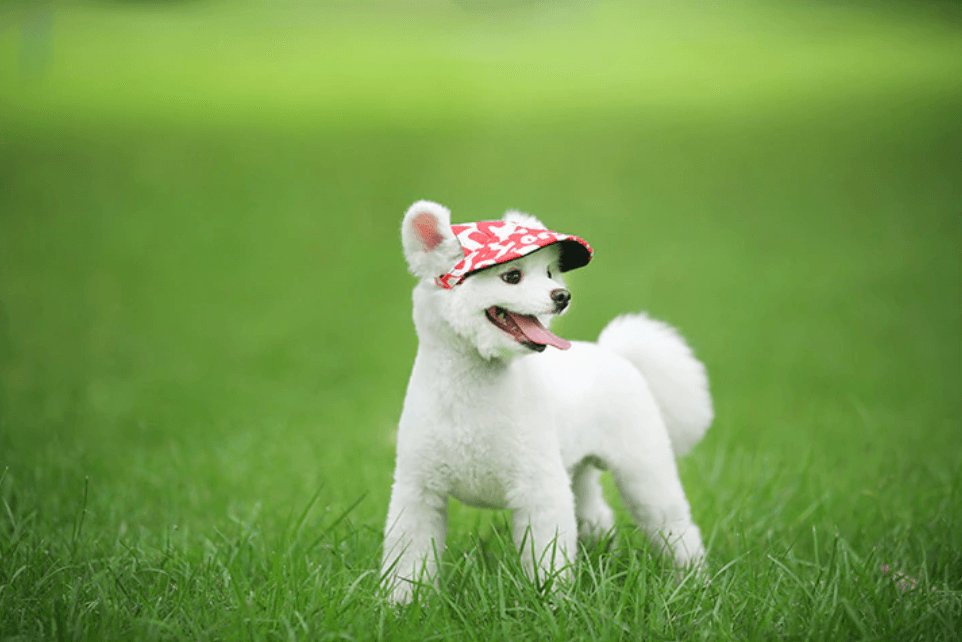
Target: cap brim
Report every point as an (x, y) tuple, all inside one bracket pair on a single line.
[(574, 254)]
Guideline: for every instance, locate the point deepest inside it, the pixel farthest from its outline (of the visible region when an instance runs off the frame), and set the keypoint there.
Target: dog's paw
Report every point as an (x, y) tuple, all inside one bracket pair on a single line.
[(400, 592), (596, 526)]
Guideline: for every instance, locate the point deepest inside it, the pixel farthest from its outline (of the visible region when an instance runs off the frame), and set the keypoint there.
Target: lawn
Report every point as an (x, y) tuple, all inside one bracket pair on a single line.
[(205, 329)]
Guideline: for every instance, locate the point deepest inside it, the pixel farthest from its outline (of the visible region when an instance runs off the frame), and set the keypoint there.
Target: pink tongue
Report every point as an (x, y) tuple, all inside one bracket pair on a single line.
[(537, 333)]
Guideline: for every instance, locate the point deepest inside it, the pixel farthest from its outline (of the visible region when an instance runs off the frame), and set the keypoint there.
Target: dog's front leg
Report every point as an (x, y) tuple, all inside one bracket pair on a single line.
[(544, 528), (413, 540)]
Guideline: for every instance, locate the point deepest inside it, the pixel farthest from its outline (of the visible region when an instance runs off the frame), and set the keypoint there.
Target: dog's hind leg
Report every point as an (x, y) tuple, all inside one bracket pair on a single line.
[(651, 489), (595, 518), (413, 540)]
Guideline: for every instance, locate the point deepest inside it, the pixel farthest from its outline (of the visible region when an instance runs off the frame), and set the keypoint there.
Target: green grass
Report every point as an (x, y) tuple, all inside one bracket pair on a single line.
[(205, 325)]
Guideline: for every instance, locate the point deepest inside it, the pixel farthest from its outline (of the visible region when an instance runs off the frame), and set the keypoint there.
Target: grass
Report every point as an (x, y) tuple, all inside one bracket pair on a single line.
[(205, 319)]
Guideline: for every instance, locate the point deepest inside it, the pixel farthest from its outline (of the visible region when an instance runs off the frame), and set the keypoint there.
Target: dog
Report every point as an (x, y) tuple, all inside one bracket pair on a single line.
[(502, 413)]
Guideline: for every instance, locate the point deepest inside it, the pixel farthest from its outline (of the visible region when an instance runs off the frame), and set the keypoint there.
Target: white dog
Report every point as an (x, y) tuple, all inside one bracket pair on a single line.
[(498, 421)]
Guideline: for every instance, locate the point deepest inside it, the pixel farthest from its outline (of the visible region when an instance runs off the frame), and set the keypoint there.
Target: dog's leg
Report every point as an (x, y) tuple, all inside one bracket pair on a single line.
[(595, 517), (544, 527), (413, 540), (653, 493)]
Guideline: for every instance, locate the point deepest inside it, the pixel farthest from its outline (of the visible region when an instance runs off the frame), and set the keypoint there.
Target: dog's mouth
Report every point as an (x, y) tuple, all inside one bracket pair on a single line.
[(525, 329)]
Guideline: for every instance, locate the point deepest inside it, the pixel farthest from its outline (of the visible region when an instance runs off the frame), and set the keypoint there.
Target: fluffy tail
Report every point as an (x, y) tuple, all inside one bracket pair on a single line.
[(677, 379)]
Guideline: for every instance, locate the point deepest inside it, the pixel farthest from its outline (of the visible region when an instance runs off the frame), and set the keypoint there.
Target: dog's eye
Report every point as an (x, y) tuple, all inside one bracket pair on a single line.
[(512, 277), (549, 274)]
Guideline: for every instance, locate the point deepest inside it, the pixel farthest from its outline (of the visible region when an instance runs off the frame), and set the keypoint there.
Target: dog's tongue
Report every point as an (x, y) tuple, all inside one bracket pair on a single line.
[(537, 333)]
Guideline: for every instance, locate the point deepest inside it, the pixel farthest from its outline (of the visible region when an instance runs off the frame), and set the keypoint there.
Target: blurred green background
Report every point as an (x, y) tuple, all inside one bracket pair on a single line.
[(204, 306)]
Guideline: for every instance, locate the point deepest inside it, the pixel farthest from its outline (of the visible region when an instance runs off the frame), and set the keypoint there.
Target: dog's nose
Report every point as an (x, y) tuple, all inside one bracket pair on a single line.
[(561, 297)]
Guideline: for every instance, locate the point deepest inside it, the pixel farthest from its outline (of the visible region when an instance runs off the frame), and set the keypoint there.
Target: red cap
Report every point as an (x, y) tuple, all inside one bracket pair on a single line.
[(488, 243)]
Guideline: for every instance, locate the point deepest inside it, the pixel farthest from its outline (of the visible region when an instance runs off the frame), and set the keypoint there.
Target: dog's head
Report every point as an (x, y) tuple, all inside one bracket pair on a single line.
[(494, 285)]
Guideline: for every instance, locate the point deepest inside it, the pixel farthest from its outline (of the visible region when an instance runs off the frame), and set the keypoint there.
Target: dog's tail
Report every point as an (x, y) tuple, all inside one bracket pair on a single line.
[(677, 379)]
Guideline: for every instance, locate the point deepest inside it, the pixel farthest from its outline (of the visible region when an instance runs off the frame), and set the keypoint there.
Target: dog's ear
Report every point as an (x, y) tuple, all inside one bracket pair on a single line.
[(525, 220), (430, 247)]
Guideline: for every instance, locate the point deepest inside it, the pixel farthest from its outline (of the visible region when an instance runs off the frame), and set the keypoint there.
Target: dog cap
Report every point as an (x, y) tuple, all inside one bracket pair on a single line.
[(488, 243)]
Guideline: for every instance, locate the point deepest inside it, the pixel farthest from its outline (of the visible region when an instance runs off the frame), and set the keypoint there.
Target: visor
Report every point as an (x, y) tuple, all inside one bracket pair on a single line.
[(488, 243)]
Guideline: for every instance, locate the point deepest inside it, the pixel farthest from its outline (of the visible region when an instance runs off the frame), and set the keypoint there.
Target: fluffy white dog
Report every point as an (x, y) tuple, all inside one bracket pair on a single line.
[(498, 421)]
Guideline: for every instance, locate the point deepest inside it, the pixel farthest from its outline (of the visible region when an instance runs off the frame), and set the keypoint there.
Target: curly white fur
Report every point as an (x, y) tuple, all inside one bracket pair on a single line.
[(496, 425)]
